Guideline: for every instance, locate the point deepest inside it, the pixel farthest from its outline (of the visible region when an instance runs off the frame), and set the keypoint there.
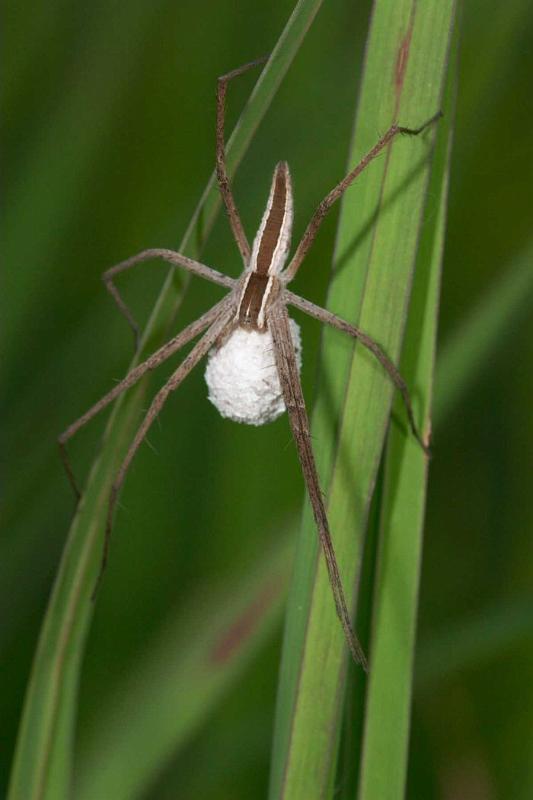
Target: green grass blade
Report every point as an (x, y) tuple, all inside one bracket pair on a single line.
[(388, 704), (198, 657), (378, 237), (43, 754)]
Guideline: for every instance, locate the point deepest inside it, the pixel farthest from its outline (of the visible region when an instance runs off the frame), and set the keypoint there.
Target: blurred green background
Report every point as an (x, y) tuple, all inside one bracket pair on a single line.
[(108, 124)]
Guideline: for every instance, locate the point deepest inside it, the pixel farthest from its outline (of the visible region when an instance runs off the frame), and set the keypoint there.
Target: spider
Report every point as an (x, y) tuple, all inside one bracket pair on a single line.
[(243, 330)]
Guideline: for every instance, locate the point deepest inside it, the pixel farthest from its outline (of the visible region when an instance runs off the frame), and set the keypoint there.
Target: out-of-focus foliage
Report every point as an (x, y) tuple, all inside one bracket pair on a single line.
[(108, 115)]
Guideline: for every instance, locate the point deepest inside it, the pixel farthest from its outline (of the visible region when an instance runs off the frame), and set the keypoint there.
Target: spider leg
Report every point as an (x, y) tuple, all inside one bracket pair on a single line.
[(135, 375), (218, 328), (221, 168), (176, 259), (278, 323), (392, 370), (337, 192)]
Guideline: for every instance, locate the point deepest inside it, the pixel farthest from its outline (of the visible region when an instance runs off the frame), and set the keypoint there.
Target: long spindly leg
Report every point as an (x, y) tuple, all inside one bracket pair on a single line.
[(176, 259), (222, 172), (278, 322), (323, 208), (392, 370), (217, 329), (157, 358)]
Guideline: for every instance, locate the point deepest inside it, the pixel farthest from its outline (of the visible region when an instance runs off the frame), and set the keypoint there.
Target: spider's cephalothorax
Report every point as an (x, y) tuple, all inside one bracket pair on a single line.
[(261, 283), (254, 348), (241, 372)]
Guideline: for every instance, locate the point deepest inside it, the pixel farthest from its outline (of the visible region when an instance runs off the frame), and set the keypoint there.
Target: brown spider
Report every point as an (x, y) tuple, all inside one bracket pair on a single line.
[(244, 329)]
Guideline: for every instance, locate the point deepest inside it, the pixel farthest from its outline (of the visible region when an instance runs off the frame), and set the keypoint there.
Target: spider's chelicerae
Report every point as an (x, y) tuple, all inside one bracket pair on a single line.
[(244, 329)]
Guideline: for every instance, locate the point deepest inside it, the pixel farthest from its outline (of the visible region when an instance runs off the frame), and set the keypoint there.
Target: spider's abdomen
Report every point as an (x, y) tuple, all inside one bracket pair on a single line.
[(242, 378)]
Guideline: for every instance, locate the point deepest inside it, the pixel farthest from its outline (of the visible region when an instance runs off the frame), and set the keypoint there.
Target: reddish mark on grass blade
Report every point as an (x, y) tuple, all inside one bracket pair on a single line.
[(401, 61), (245, 625), (403, 54)]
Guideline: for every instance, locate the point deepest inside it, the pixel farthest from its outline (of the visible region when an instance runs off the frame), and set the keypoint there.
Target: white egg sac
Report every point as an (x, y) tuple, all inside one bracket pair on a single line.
[(242, 378)]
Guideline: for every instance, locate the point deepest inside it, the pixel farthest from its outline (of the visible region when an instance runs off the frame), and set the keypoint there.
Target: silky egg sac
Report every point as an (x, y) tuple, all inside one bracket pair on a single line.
[(242, 378)]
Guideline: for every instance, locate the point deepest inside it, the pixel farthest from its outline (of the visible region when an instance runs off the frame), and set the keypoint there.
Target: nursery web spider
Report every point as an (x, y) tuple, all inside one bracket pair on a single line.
[(243, 330)]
